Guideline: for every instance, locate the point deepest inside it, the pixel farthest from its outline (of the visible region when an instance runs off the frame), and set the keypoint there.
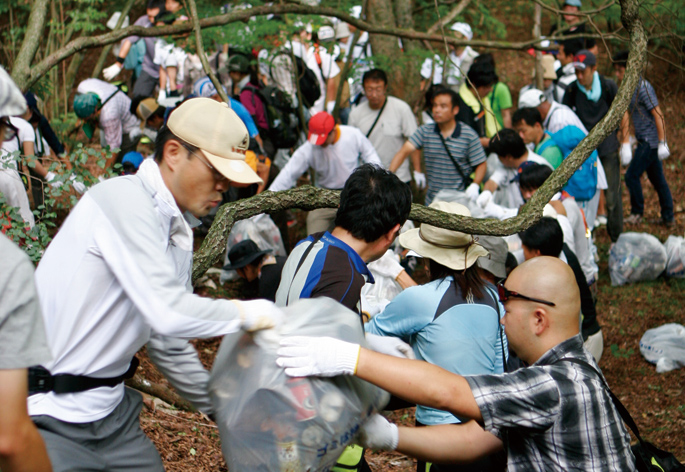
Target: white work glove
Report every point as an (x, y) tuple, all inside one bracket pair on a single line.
[(472, 191), (50, 178), (303, 356), (484, 198), (379, 434), (390, 345), (258, 314), (161, 96), (112, 71), (80, 187), (492, 210), (663, 150), (420, 179), (388, 265), (626, 154)]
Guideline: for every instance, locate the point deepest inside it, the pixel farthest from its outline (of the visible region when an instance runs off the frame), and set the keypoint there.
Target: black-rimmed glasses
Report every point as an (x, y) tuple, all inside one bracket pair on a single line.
[(505, 295)]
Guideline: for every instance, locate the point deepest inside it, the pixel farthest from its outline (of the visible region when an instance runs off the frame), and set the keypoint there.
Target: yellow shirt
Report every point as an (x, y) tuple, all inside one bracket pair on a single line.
[(466, 93)]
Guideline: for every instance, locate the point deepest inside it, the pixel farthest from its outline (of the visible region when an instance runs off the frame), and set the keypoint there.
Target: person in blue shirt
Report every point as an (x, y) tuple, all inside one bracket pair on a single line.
[(453, 321)]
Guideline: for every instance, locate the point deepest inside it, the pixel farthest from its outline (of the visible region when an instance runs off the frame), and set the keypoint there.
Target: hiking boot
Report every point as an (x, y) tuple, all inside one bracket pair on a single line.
[(662, 222), (633, 219)]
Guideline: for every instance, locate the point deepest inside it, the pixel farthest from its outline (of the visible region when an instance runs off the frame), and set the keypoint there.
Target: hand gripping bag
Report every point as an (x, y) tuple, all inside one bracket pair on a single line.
[(271, 422), (636, 257)]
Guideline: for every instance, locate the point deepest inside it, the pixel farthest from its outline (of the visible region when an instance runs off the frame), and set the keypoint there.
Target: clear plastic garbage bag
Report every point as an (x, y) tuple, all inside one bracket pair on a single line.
[(262, 230), (271, 422), (664, 346), (675, 256), (457, 196), (636, 257)]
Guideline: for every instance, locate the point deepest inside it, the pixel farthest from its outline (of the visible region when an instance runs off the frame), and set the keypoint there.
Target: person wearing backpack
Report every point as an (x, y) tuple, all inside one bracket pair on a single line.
[(590, 97), (149, 75), (528, 123)]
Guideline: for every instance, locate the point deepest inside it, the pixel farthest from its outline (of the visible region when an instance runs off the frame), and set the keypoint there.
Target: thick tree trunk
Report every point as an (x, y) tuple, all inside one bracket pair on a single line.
[(21, 70)]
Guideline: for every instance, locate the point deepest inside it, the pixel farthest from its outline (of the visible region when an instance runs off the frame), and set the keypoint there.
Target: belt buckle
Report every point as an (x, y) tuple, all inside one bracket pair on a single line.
[(40, 380)]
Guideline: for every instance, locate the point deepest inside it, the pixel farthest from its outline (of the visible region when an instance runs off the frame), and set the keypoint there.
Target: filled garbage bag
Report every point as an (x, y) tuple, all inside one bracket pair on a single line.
[(675, 256), (636, 257), (664, 346), (271, 422)]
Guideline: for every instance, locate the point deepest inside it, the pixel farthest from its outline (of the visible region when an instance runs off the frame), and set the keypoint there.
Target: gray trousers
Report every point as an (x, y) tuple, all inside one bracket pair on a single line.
[(321, 219), (612, 195), (114, 443)]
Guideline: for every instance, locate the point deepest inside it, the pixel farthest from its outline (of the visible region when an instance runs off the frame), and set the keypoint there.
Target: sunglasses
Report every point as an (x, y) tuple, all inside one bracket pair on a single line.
[(10, 132), (505, 295)]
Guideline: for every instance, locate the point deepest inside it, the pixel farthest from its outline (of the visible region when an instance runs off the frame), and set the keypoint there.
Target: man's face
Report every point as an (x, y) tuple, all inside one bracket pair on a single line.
[(172, 5), (329, 139), (483, 90), (527, 194), (585, 76), (529, 134), (563, 58), (529, 253), (508, 161), (443, 111), (516, 320), (249, 272), (152, 13), (375, 91), (197, 186), (620, 73), (571, 19)]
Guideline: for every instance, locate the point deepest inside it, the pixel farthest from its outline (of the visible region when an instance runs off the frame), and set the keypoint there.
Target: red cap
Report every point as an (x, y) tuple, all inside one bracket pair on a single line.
[(320, 126)]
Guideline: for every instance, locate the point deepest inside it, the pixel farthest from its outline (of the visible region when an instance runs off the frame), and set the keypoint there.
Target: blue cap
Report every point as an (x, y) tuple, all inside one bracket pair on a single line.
[(573, 3), (134, 158)]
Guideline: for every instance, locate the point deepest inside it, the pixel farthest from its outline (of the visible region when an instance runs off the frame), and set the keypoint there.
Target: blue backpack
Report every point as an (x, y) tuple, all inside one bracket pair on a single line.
[(583, 183)]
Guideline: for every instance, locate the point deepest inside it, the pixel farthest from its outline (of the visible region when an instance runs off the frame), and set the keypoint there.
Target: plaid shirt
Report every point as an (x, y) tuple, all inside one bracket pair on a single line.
[(554, 417)]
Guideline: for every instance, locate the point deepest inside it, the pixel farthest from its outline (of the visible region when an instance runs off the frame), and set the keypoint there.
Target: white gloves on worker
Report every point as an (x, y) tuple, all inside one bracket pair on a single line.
[(112, 71), (420, 179), (50, 178), (80, 187), (390, 345), (472, 191), (484, 198), (626, 154), (379, 434), (303, 356), (388, 265), (663, 151), (492, 210), (258, 314)]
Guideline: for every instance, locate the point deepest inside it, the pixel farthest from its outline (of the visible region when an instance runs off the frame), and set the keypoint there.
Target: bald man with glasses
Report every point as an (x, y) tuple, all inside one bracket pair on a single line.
[(554, 415)]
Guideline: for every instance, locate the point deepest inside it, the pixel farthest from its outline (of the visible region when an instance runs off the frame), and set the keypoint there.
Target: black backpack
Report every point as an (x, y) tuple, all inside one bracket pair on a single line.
[(280, 115), (308, 82)]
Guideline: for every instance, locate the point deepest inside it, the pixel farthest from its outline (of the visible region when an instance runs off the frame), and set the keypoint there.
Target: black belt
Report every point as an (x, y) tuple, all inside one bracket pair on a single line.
[(42, 381)]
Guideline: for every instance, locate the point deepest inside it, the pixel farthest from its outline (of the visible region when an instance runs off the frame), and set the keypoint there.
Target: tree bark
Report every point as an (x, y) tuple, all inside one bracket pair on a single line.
[(201, 52), (538, 55), (32, 38), (160, 391)]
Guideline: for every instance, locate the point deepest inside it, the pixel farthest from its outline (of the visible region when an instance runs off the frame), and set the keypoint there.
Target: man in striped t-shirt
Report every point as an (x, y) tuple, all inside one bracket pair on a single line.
[(460, 140)]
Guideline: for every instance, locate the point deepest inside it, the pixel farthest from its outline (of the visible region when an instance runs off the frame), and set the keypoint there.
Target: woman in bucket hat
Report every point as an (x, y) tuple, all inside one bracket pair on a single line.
[(452, 321)]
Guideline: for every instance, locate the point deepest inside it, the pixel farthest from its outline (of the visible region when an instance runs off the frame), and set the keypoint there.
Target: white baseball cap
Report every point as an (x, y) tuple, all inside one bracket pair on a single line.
[(531, 98)]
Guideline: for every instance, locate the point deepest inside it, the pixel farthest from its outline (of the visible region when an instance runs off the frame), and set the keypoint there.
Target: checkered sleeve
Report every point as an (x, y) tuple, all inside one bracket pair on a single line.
[(528, 398)]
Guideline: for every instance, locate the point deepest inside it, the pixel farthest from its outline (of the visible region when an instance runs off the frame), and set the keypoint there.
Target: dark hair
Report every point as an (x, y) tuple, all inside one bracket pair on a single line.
[(572, 46), (620, 58), (165, 17), (454, 96), (152, 4), (163, 136), (375, 74), (529, 115), (372, 202), (507, 142), (533, 175), (482, 74), (545, 236), (511, 263), (465, 281)]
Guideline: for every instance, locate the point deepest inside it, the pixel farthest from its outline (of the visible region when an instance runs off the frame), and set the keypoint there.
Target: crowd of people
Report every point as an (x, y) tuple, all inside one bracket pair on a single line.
[(478, 348)]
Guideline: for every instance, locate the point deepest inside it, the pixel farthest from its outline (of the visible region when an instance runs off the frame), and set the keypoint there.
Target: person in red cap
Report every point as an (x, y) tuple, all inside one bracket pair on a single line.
[(333, 152)]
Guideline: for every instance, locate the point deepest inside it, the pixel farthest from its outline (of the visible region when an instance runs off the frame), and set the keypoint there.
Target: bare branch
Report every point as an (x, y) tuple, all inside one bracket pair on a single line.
[(201, 52), (107, 49), (454, 12), (586, 13)]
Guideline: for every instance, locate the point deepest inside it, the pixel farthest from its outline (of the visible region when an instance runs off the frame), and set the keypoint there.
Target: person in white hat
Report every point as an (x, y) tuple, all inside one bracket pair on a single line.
[(118, 276), (452, 321), (458, 62)]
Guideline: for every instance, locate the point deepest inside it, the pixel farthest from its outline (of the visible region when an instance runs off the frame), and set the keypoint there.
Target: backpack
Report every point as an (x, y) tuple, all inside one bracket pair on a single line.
[(308, 82), (280, 115), (583, 183)]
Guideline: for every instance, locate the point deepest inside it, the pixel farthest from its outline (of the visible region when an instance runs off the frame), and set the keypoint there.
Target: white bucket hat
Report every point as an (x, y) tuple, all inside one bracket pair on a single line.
[(464, 29), (452, 249)]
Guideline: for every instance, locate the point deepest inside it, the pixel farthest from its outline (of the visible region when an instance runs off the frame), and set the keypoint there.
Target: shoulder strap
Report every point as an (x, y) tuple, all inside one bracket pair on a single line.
[(499, 328), (110, 97), (377, 118), (299, 264), (622, 410), (467, 180)]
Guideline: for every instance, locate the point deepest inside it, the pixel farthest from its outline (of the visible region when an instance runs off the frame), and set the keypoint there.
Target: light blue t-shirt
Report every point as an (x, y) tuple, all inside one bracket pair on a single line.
[(446, 330)]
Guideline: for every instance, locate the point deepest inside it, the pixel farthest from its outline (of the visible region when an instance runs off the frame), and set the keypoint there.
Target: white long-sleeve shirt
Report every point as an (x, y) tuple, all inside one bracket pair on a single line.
[(332, 164), (117, 273)]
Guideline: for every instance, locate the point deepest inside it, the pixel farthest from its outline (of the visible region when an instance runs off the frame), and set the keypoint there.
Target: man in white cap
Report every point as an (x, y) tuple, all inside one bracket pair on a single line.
[(22, 334), (117, 277), (458, 62)]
